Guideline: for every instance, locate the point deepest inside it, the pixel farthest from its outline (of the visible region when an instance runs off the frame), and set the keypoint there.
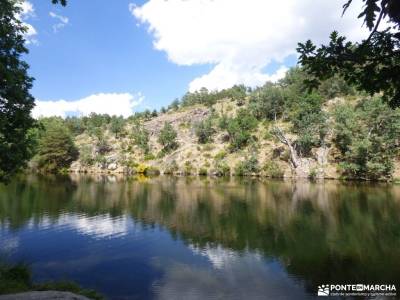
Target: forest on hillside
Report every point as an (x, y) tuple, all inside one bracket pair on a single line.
[(361, 130)]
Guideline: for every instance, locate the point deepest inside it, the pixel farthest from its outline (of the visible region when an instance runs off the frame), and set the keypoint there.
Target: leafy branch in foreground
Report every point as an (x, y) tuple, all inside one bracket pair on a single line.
[(372, 65)]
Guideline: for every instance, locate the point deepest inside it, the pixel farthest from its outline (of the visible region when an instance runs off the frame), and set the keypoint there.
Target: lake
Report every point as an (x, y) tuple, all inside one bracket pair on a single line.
[(201, 238)]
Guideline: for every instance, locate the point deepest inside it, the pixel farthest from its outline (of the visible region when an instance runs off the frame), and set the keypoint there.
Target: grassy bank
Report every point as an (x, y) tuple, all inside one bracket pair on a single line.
[(17, 278)]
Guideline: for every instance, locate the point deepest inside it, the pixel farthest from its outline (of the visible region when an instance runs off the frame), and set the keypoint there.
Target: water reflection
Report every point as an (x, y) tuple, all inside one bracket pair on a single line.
[(191, 238)]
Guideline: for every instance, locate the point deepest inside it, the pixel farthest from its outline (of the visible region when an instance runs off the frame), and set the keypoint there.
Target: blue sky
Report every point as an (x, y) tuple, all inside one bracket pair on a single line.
[(121, 56), (101, 50)]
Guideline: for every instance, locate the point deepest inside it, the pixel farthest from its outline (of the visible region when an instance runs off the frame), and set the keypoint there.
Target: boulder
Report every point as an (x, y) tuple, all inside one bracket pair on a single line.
[(44, 295)]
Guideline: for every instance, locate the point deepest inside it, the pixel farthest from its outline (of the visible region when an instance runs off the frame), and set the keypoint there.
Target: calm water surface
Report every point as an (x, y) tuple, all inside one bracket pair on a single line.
[(183, 238)]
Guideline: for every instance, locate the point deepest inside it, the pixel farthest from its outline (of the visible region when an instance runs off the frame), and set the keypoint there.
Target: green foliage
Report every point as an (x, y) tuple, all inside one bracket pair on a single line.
[(167, 137), (335, 87), (56, 150), (17, 278), (204, 131), (14, 278), (203, 171), (208, 147), (267, 102), (208, 98), (240, 128), (75, 125), (220, 155), (140, 137), (247, 167), (101, 160), (85, 156), (149, 156), (221, 169), (16, 102), (117, 125), (96, 123), (368, 138), (223, 122), (102, 146), (371, 65), (313, 174), (309, 122), (273, 170), (188, 168), (171, 168), (174, 105)]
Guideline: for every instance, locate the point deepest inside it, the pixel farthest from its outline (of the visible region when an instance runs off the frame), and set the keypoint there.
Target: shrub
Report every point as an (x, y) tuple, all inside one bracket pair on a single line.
[(149, 156), (102, 146), (367, 136), (86, 156), (167, 137), (141, 169), (273, 170), (171, 168), (313, 174), (204, 131), (223, 122), (208, 147), (117, 125), (188, 168), (161, 154), (222, 169), (240, 128), (203, 171), (220, 155), (247, 167), (101, 160), (140, 137)]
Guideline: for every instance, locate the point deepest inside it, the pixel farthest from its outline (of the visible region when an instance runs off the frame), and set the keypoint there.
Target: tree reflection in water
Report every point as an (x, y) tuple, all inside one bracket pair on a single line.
[(319, 232)]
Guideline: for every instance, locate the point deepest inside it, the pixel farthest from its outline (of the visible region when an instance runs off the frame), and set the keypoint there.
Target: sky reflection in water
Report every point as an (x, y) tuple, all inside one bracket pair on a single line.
[(183, 238)]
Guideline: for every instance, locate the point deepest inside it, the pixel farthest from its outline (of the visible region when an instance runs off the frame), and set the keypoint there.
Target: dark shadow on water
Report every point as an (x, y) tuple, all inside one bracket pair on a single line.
[(305, 233)]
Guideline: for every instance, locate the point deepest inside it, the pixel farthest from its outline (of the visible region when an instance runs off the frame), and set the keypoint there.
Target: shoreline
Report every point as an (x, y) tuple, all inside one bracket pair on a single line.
[(213, 176)]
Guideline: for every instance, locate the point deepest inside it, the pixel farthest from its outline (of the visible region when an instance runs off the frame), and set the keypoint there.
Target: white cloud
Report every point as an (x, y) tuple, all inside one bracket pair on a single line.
[(111, 103), (27, 11), (241, 37), (63, 21)]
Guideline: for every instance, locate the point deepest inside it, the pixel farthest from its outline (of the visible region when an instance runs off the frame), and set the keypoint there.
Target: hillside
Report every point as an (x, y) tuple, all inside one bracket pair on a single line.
[(278, 130), (190, 157)]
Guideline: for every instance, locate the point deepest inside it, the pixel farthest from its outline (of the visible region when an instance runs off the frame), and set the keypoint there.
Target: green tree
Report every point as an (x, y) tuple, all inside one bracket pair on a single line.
[(204, 131), (75, 125), (240, 128), (372, 65), (140, 137), (56, 150), (309, 122), (16, 102), (267, 102), (174, 105), (167, 137), (117, 125), (368, 138)]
